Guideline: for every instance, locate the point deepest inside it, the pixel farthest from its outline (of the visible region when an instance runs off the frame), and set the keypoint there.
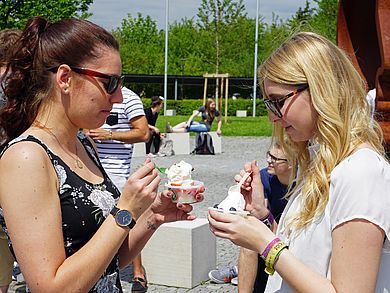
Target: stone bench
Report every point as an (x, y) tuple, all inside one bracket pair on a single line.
[(181, 142), (180, 254), (241, 113), (217, 142), (139, 149)]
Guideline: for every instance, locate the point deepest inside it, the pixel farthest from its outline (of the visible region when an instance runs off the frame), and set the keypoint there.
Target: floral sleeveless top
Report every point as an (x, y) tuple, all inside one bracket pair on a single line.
[(84, 207)]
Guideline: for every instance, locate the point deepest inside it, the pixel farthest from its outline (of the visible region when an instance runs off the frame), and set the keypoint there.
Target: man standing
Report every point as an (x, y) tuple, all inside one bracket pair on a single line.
[(125, 126)]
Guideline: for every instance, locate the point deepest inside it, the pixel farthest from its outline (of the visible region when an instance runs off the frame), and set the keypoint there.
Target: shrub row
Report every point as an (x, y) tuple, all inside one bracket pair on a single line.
[(185, 107)]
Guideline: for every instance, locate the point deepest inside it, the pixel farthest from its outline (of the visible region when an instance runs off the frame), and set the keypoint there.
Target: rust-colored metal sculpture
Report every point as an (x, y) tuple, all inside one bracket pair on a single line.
[(363, 30)]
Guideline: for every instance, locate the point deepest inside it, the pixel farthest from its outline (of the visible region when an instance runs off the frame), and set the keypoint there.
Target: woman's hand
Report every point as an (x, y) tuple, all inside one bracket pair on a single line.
[(167, 211), (253, 191), (246, 232), (140, 189)]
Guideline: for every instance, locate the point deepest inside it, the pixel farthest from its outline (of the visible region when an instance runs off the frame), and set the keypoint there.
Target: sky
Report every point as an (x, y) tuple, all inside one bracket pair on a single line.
[(109, 13)]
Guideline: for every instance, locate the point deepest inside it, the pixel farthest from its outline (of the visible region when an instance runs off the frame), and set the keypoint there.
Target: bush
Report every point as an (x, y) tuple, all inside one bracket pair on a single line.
[(186, 107)]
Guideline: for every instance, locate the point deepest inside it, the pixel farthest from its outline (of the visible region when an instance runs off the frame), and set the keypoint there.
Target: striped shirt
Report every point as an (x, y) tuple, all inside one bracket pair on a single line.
[(116, 155)]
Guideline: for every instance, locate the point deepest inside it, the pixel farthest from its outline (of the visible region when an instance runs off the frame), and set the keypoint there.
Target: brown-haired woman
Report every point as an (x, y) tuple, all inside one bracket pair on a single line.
[(208, 112), (70, 228)]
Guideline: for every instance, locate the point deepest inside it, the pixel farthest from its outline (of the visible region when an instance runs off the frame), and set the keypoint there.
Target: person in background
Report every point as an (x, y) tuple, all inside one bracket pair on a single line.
[(333, 235), (8, 38), (275, 180), (208, 112), (114, 141), (151, 114), (70, 228)]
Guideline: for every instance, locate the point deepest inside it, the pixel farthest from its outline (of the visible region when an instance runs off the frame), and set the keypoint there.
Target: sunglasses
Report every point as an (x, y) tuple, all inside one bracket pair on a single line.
[(114, 81), (275, 106), (275, 159)]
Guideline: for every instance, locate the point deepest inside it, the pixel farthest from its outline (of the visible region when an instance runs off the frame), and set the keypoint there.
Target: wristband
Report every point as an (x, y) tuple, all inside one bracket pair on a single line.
[(268, 220), (273, 257), (268, 248), (110, 135)]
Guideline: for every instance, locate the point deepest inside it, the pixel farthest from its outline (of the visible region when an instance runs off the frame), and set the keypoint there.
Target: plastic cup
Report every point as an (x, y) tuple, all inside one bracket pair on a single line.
[(185, 194)]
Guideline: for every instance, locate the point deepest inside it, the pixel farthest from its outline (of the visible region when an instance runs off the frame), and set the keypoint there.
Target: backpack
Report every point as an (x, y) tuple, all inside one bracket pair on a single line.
[(166, 147), (203, 144)]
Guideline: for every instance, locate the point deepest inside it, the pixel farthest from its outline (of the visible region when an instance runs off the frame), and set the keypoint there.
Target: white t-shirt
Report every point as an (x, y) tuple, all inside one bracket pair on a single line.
[(359, 189), (116, 155)]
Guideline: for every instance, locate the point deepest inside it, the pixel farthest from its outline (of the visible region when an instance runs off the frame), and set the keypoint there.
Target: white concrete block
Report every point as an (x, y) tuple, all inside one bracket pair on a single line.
[(241, 113), (180, 254), (170, 113), (139, 149), (181, 142), (217, 142)]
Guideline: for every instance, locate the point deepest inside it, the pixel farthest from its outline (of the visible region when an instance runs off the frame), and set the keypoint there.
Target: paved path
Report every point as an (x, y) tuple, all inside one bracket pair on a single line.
[(217, 173)]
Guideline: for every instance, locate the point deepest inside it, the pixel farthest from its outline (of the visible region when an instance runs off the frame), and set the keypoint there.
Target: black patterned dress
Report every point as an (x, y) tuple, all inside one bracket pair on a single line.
[(84, 207)]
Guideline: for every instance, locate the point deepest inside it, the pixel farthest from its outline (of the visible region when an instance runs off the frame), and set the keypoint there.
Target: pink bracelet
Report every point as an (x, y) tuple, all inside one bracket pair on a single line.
[(268, 247)]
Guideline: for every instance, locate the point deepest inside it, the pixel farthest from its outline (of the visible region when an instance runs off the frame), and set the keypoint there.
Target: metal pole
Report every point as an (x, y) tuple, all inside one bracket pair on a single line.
[(166, 57), (255, 63)]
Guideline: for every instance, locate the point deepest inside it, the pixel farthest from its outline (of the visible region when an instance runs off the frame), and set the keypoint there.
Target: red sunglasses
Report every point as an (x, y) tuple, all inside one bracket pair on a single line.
[(114, 81)]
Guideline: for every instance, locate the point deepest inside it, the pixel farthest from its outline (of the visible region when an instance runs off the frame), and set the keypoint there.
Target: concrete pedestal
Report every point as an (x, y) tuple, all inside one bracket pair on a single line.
[(180, 254), (181, 142)]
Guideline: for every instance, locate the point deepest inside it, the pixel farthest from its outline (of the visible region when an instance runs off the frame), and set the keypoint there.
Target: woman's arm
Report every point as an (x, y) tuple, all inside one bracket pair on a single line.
[(356, 253), (29, 197), (219, 125), (194, 114), (163, 210)]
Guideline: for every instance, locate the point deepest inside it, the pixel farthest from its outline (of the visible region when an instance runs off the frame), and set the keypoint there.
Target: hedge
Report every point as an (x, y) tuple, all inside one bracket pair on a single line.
[(186, 107)]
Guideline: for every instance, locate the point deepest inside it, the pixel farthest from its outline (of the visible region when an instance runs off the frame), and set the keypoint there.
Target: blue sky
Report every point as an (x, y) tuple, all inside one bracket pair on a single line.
[(109, 13)]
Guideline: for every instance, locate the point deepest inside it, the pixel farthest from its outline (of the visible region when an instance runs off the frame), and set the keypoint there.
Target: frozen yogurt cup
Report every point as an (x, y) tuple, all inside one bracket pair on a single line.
[(185, 193)]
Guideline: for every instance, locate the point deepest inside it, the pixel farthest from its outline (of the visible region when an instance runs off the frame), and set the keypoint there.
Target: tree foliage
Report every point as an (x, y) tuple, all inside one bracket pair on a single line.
[(15, 13)]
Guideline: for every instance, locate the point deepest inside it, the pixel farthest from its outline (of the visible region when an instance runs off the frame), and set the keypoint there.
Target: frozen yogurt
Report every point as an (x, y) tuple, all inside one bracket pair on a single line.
[(179, 174), (234, 203), (182, 185)]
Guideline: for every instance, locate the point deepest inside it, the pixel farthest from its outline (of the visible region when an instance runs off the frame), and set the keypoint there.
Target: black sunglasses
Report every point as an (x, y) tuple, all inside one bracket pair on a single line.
[(114, 81), (275, 159), (276, 105)]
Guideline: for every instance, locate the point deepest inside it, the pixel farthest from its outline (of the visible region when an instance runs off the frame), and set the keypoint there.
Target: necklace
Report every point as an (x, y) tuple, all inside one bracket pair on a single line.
[(77, 160)]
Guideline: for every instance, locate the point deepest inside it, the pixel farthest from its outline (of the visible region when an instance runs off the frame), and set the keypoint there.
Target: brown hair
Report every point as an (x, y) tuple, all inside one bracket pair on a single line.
[(210, 112), (156, 101), (44, 45), (8, 38)]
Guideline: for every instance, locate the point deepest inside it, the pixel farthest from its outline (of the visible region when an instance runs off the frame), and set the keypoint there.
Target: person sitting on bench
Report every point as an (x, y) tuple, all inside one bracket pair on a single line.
[(209, 113)]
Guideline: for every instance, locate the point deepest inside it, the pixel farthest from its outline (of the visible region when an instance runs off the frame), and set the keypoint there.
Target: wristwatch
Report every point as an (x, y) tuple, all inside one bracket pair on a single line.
[(268, 220), (123, 217)]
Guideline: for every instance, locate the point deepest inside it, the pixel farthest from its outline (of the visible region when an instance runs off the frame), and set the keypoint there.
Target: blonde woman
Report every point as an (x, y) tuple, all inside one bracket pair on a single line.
[(333, 235)]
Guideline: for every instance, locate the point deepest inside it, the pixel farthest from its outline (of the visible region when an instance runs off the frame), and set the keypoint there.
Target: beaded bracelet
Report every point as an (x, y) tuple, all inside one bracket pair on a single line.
[(273, 256), (110, 135), (268, 247)]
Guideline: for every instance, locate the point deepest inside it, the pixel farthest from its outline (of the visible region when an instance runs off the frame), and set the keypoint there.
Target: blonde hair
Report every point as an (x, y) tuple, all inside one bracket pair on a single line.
[(338, 95)]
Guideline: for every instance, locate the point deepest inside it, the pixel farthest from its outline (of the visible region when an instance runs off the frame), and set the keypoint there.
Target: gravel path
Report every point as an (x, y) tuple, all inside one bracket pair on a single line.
[(217, 173)]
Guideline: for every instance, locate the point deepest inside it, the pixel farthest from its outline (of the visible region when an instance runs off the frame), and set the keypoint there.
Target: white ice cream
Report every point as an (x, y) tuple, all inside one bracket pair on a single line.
[(234, 200), (180, 173)]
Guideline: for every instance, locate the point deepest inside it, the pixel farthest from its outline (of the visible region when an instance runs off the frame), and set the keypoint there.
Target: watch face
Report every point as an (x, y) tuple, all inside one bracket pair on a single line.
[(123, 218)]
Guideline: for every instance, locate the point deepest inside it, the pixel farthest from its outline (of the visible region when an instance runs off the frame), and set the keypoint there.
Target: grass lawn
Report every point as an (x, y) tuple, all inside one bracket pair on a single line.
[(235, 126)]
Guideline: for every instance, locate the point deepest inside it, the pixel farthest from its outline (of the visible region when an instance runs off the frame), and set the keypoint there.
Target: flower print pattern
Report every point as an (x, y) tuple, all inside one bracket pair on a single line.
[(84, 207), (102, 199)]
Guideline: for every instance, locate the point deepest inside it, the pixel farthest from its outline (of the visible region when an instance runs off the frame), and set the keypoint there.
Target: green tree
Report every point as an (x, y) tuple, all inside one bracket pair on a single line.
[(15, 13), (141, 45)]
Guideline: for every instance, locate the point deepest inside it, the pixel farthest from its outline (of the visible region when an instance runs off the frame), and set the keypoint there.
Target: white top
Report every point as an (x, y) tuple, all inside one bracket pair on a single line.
[(359, 189), (116, 155)]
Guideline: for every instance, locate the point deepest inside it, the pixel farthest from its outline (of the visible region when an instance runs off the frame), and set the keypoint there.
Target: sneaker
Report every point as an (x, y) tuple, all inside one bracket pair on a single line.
[(224, 275), (234, 281), (160, 154), (150, 155)]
